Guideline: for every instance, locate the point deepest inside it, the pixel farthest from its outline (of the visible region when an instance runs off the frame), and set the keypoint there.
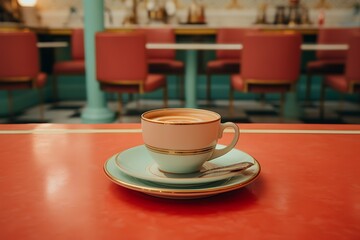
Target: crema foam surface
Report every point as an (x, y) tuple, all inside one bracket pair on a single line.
[(179, 119), (181, 116)]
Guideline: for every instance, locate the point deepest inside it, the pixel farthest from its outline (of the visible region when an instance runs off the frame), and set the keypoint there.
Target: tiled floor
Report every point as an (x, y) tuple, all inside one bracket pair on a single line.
[(246, 111)]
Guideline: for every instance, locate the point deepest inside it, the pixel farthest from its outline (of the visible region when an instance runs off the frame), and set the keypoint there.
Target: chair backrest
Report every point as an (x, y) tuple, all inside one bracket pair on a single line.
[(231, 35), (352, 65), (19, 55), (271, 56), (77, 44), (159, 35), (334, 36), (121, 57)]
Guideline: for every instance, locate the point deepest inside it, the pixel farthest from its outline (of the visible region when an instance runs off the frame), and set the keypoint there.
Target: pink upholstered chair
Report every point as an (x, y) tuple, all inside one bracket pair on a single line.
[(349, 82), (227, 61), (74, 66), (164, 61), (270, 64), (20, 65), (121, 65), (329, 62)]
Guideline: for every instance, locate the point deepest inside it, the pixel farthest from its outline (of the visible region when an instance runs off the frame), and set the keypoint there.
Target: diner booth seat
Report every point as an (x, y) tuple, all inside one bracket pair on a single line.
[(349, 82), (74, 66), (270, 64), (164, 61), (328, 61), (121, 65), (227, 61), (20, 65)]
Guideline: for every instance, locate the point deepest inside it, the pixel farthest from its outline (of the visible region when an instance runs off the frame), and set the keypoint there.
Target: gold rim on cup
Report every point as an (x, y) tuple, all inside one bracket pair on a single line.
[(179, 152), (218, 117)]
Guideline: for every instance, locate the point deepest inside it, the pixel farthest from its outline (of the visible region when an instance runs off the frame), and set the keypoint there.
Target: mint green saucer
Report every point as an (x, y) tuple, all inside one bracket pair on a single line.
[(138, 163), (179, 192)]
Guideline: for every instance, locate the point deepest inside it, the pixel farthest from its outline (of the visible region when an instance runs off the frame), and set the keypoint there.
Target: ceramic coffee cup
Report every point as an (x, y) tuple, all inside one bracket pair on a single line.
[(181, 140)]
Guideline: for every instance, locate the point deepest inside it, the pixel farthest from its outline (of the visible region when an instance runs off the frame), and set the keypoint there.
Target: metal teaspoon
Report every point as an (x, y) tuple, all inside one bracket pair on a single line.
[(237, 167)]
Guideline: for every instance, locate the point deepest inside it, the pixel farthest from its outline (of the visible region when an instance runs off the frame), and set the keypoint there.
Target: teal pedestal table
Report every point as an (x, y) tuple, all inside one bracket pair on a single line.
[(292, 109), (96, 110), (191, 63)]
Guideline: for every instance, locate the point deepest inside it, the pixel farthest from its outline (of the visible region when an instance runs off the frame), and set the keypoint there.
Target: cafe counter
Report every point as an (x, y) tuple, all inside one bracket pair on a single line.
[(53, 186)]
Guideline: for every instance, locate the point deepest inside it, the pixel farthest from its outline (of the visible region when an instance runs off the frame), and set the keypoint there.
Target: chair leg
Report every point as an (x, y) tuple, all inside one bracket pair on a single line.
[(55, 88), (165, 96), (322, 98), (231, 100), (341, 101), (41, 104), (131, 97), (208, 87), (120, 106), (181, 87), (10, 105), (282, 104), (138, 99), (262, 98), (308, 88)]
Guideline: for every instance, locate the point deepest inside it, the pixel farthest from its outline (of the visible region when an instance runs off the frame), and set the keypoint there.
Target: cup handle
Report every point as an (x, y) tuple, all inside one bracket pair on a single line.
[(220, 152)]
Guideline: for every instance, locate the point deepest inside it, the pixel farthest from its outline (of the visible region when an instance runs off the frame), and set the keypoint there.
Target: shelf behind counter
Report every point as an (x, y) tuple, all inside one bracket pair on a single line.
[(190, 29)]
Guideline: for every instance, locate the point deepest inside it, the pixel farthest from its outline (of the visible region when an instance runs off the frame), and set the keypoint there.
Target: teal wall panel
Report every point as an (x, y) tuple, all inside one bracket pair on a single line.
[(73, 88)]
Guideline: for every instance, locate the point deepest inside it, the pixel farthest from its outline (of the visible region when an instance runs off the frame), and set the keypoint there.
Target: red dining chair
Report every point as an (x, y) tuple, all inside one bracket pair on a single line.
[(74, 66), (20, 65), (227, 61), (349, 82), (164, 61), (328, 62), (270, 64), (121, 65)]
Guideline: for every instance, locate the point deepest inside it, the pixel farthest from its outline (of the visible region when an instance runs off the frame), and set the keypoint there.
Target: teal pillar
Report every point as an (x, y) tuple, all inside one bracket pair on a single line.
[(96, 110), (190, 79)]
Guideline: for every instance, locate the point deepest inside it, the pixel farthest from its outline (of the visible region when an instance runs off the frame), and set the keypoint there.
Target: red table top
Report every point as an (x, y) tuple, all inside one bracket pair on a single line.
[(52, 186)]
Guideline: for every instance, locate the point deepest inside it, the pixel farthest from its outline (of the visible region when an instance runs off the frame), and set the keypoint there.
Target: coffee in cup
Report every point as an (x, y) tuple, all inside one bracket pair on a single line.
[(181, 140)]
